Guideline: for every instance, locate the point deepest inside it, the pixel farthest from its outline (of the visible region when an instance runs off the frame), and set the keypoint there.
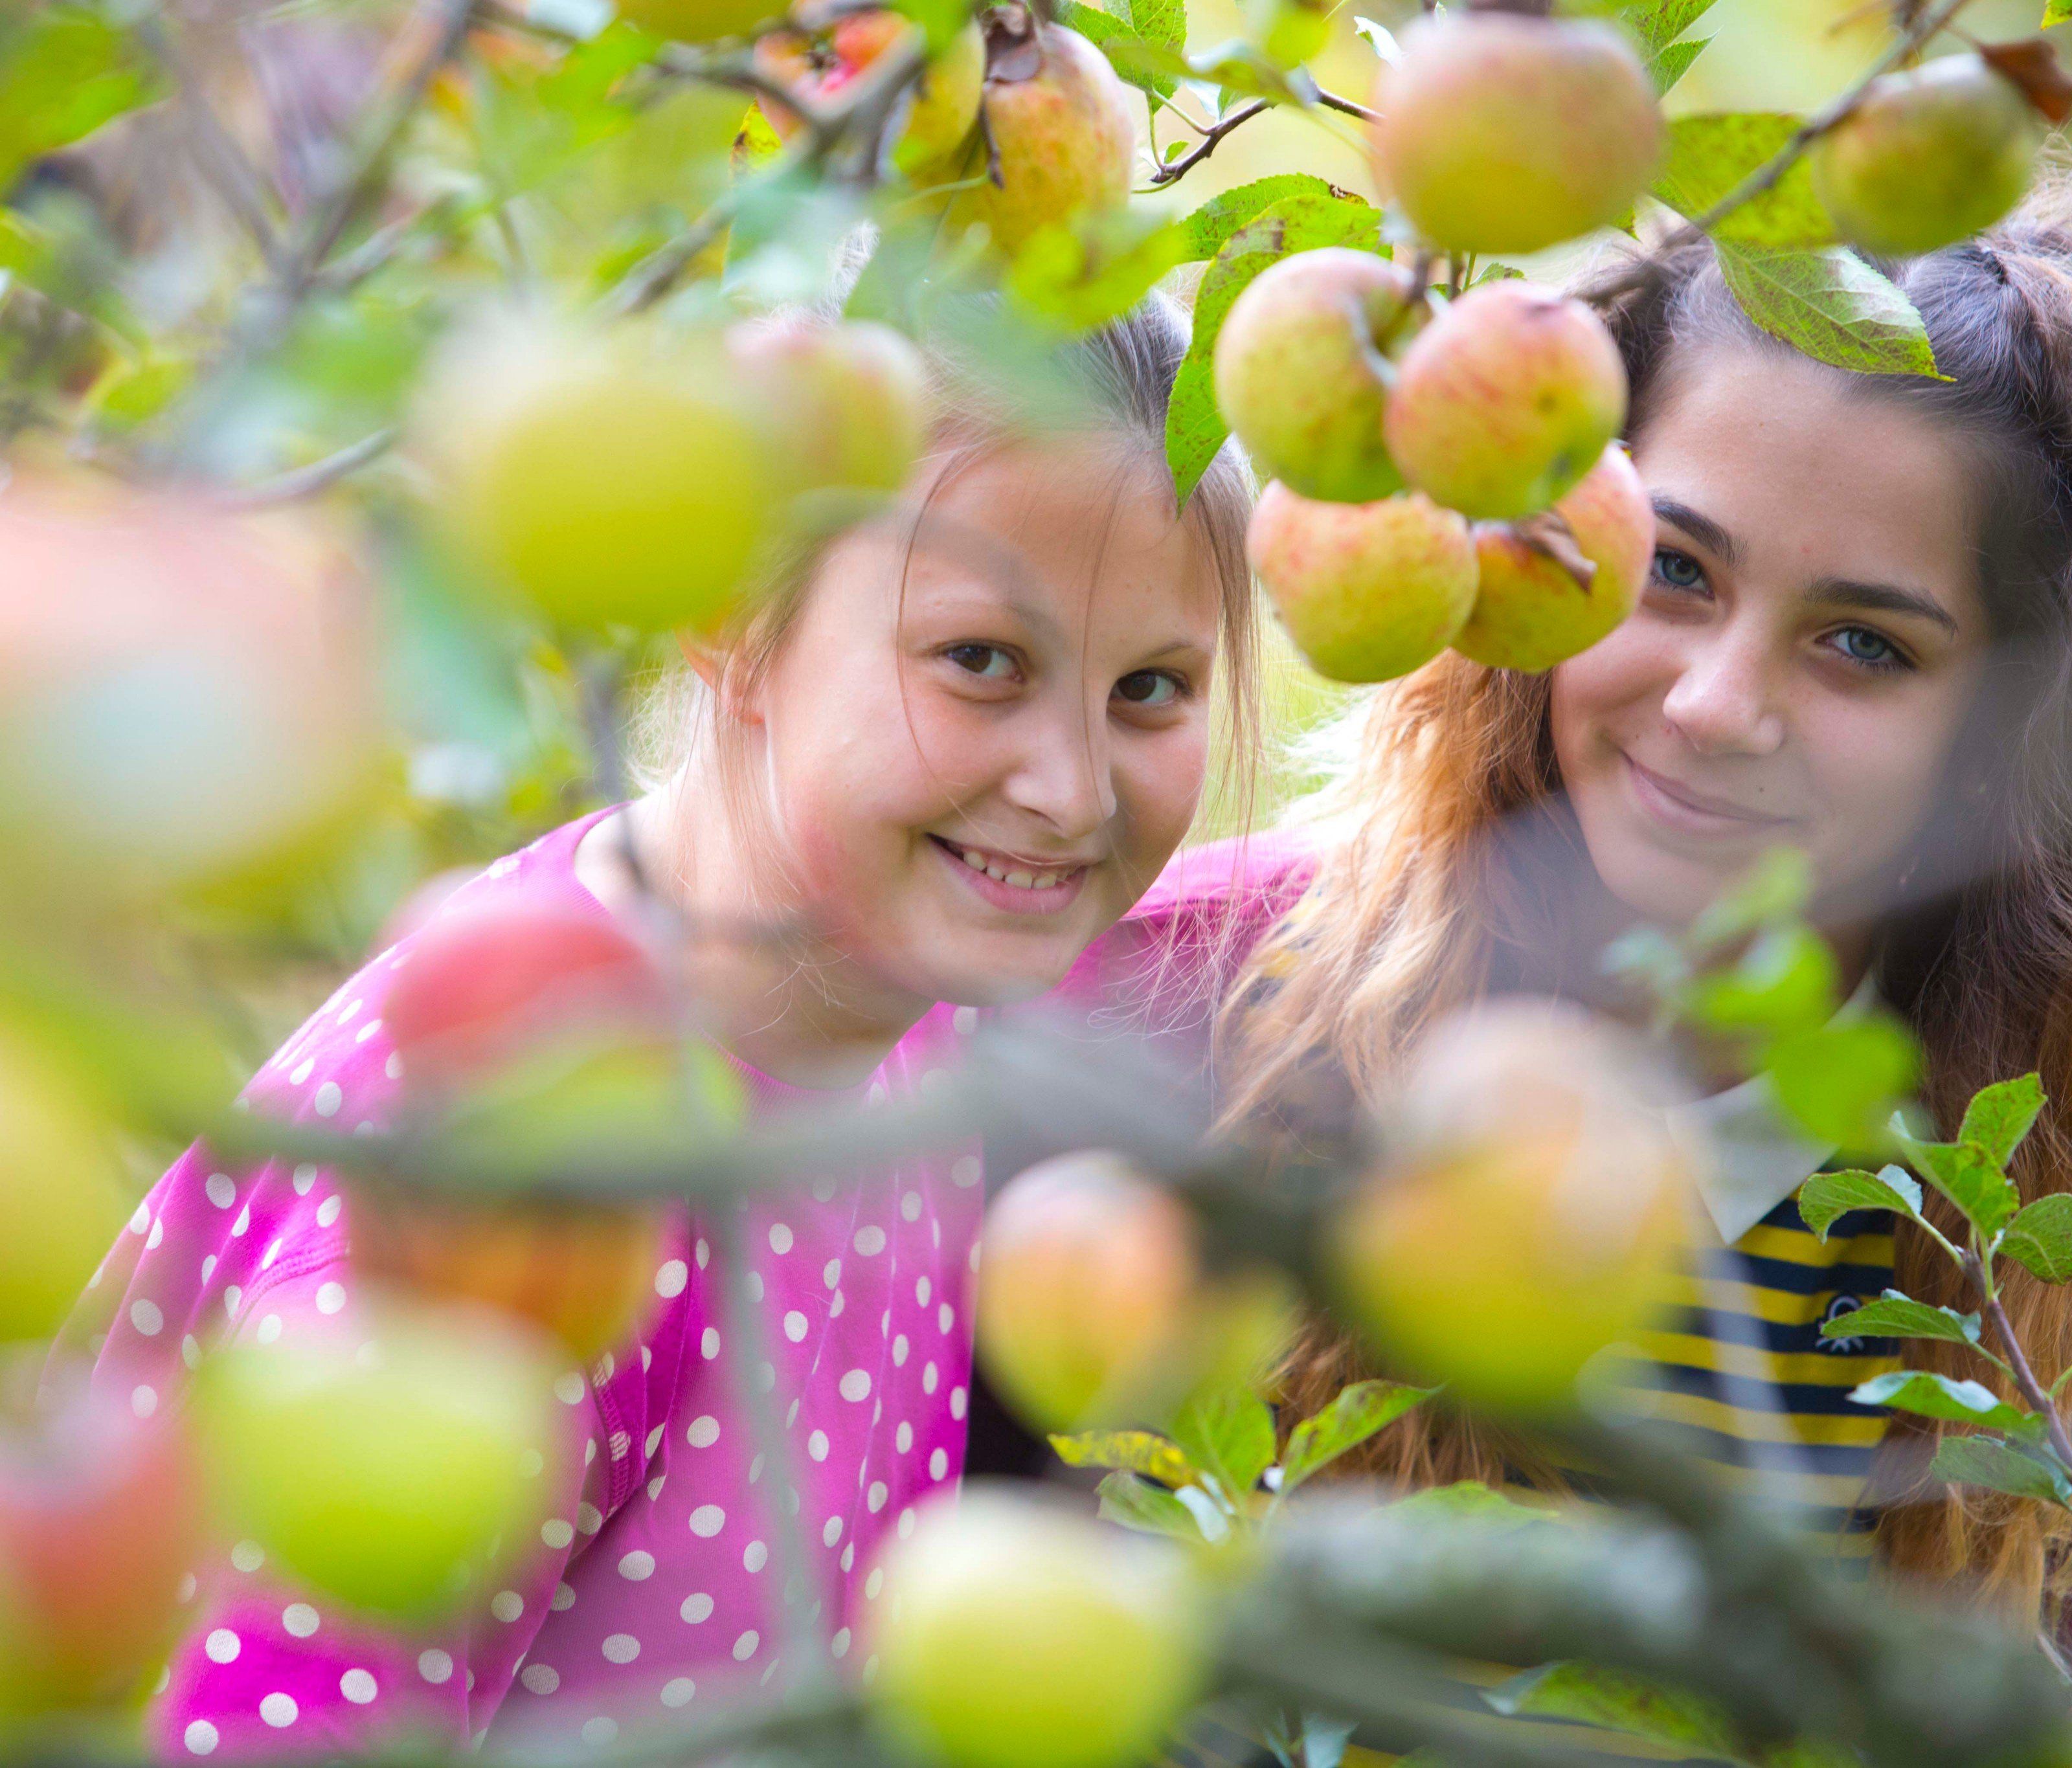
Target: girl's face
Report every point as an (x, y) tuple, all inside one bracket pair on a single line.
[(978, 772), (1805, 650)]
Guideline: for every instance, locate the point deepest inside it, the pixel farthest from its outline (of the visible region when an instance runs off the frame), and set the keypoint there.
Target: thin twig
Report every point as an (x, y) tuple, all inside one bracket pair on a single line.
[(319, 475), (1211, 135), (216, 155), (1331, 101)]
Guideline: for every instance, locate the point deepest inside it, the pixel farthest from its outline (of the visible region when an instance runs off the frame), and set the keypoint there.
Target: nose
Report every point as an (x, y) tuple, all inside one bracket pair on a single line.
[(1723, 699), (1064, 775)]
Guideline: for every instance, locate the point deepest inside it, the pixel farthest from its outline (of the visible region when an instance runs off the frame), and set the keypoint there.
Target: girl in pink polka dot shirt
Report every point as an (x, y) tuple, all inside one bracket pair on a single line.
[(954, 751)]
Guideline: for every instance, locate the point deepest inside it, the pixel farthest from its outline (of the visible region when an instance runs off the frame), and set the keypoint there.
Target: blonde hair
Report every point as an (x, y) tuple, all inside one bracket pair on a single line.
[(1115, 382), (1447, 839)]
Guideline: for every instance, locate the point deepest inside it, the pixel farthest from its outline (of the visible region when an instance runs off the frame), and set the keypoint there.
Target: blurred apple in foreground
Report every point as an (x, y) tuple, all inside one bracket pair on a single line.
[(1530, 1212), (821, 66), (101, 1517), (618, 480), (188, 696), (62, 1192), (1014, 1634), (1063, 126), (700, 21), (1532, 610), (847, 404), (1085, 1277), (395, 1460)]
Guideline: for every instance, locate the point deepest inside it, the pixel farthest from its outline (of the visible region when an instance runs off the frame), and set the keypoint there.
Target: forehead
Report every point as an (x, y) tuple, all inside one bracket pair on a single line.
[(1082, 528), (1811, 473)]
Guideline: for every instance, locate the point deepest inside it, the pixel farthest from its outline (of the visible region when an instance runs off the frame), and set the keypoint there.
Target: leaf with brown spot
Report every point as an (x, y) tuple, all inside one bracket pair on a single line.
[(2032, 64)]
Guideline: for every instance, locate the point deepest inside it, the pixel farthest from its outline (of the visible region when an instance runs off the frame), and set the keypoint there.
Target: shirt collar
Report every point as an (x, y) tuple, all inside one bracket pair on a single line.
[(1757, 1157)]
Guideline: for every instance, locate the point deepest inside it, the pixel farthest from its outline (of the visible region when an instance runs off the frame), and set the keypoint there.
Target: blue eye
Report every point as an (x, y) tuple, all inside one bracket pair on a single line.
[(1873, 650), (1148, 688), (989, 662), (1679, 570)]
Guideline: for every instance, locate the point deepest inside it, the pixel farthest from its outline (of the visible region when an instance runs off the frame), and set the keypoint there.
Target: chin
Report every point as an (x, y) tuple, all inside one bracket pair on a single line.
[(1668, 889)]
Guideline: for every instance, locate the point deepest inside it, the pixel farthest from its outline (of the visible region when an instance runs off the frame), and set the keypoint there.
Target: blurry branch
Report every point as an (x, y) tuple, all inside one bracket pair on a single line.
[(219, 158), (319, 475), (1330, 100), (1924, 26), (1979, 1271), (1213, 134)]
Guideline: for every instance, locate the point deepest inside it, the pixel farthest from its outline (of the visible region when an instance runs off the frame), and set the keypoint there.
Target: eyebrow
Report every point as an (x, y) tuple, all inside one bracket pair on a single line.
[(1886, 597), (1829, 591), (1702, 529)]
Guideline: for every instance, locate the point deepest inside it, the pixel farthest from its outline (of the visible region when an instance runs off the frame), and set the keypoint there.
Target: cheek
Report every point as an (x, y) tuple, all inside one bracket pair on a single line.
[(1605, 696), (1875, 777), (1159, 789)]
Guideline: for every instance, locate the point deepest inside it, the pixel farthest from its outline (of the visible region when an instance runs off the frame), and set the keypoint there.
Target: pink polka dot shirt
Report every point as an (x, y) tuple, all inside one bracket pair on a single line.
[(658, 1588)]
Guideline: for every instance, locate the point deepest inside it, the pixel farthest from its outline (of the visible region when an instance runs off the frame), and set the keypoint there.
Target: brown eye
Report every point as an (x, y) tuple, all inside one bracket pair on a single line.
[(1148, 688), (988, 661)]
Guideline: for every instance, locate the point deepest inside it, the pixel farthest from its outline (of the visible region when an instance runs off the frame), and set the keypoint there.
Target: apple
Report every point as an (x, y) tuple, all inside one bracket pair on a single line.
[(605, 480), (1012, 1633), (1498, 132), (101, 1517), (700, 21), (64, 1193), (1063, 126), (1085, 1275), (489, 979), (820, 65), (1505, 401), (188, 698), (1928, 157), (848, 402), (1368, 591), (385, 1477), (1531, 611), (1530, 1212), (1302, 374)]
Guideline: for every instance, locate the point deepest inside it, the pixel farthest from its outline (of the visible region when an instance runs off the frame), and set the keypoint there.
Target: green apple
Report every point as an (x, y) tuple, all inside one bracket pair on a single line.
[(1531, 611), (603, 479), (700, 21), (1085, 1277), (394, 1465), (1530, 1213), (1498, 132), (1301, 370), (1928, 157), (1505, 401), (1368, 591), (1012, 1633)]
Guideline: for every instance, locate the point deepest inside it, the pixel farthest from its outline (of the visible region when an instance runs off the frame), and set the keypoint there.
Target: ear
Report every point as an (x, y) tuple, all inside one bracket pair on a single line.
[(711, 665)]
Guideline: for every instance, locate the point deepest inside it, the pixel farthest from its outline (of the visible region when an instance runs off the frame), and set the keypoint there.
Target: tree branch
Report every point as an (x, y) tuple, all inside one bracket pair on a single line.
[(2033, 1390), (319, 475), (1211, 135), (220, 160)]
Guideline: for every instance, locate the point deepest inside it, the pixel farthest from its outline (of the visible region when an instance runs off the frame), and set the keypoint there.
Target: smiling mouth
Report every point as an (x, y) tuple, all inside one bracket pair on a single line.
[(1674, 804), (1009, 870)]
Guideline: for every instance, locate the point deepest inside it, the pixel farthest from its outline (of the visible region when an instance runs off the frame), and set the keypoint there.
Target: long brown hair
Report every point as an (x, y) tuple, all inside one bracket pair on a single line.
[(1445, 839)]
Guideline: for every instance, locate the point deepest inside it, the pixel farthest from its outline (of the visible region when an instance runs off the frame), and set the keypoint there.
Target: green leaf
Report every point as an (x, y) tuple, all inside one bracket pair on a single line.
[(2056, 12), (1832, 306), (1777, 887), (1785, 981), (1355, 1415), (1194, 429), (1710, 155), (62, 74), (1102, 28), (2040, 1239), (1467, 1497), (1159, 21), (940, 20), (2001, 1115), (1151, 1510), (1896, 1315), (1999, 1467), (1985, 1195), (1659, 23), (1592, 1694), (1674, 61), (1080, 274), (1826, 1196), (1941, 1396), (1228, 1433), (1137, 1451), (1224, 213), (1839, 1080)]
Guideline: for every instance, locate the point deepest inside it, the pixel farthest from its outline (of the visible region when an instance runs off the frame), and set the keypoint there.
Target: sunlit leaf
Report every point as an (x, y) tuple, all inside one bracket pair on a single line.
[(2001, 1115), (1081, 274), (1228, 1433), (1896, 1316), (1970, 1179), (1134, 1451), (1136, 1503), (1830, 305), (1354, 1415), (64, 72), (1592, 1694), (1932, 1395), (1710, 155), (1224, 213), (1839, 1081), (1826, 1197)]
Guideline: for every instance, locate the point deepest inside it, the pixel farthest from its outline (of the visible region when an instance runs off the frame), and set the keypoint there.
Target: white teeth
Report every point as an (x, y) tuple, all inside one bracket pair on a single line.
[(976, 861), (1020, 880), (1050, 881), (994, 871), (1025, 881)]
